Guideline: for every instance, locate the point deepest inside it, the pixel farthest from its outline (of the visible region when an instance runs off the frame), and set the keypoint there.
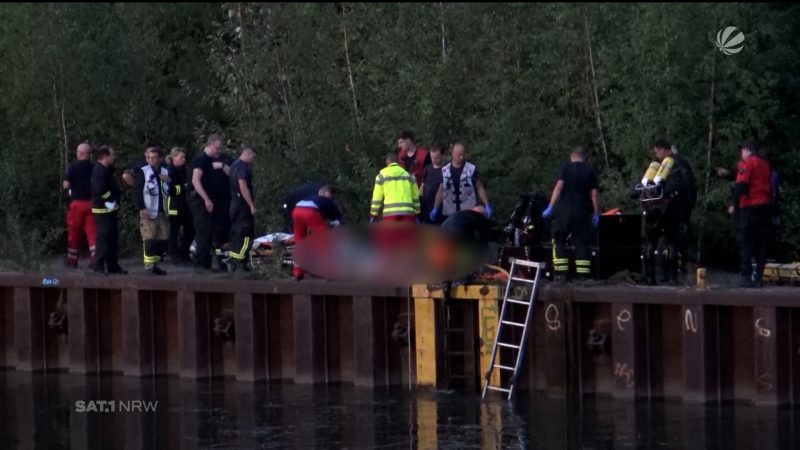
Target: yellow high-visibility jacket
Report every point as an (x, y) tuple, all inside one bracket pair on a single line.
[(395, 193)]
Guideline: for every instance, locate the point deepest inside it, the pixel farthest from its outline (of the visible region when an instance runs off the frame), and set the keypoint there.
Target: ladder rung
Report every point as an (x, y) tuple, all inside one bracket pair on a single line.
[(523, 280), (504, 367), (501, 344), (497, 389), (521, 325), (517, 301)]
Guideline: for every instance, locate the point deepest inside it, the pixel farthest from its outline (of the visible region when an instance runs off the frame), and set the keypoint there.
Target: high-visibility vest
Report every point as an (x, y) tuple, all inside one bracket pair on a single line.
[(395, 193)]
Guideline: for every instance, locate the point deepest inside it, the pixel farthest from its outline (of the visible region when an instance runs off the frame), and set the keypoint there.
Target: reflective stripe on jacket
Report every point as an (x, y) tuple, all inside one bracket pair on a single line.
[(395, 193)]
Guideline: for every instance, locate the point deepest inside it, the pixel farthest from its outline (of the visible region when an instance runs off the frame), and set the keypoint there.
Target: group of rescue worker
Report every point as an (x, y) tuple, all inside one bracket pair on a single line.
[(215, 207)]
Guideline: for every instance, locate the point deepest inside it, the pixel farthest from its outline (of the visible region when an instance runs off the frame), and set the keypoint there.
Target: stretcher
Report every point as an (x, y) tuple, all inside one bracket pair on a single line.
[(782, 273)]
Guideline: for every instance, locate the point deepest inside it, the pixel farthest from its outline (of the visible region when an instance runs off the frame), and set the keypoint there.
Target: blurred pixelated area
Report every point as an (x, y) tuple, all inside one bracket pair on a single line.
[(390, 254)]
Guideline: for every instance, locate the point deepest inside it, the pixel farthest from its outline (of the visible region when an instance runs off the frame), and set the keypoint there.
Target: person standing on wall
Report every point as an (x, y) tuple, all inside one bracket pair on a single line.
[(395, 196), (412, 158), (575, 210), (105, 207), (150, 196), (206, 200), (461, 187), (751, 210), (78, 182), (431, 180), (242, 210), (180, 217)]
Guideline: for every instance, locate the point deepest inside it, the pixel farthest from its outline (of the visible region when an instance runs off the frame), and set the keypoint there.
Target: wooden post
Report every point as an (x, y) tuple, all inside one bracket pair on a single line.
[(425, 339), (488, 319)]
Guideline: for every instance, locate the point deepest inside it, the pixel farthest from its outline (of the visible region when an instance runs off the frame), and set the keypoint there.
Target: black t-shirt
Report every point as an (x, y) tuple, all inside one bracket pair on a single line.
[(301, 193), (432, 177), (455, 173), (79, 175), (214, 181), (240, 171), (579, 180)]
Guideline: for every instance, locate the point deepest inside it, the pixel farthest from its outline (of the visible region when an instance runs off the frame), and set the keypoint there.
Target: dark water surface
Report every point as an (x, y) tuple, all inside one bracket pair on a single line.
[(39, 411)]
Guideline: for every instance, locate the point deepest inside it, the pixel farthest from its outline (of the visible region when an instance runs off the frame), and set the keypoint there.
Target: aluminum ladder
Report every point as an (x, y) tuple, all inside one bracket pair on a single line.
[(518, 347)]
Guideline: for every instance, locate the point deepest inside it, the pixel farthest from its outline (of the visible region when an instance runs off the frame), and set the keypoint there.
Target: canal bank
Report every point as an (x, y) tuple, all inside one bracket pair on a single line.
[(622, 341)]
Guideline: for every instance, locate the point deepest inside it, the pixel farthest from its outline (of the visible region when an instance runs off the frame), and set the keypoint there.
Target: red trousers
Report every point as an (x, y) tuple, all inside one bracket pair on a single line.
[(409, 218), (79, 221), (305, 220)]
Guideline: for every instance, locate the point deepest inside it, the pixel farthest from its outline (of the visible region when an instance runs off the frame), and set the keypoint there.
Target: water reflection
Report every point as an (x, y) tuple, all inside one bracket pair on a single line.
[(38, 411)]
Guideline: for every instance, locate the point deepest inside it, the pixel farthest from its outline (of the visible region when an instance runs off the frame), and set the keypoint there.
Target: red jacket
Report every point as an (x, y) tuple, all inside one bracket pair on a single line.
[(755, 173), (417, 166)]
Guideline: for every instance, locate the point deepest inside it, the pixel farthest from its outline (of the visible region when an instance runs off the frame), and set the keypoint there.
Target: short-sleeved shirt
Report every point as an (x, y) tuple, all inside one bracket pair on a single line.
[(79, 175), (214, 181), (240, 171), (579, 181), (432, 178), (756, 173)]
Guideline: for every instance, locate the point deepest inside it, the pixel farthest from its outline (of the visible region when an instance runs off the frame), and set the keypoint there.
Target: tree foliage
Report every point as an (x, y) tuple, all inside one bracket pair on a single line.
[(323, 89)]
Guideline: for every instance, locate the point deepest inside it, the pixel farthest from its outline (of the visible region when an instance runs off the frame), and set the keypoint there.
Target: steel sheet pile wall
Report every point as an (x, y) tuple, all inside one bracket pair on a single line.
[(310, 332)]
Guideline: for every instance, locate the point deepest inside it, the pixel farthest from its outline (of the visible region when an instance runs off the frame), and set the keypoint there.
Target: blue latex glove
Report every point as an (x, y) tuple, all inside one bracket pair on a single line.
[(488, 211), (433, 214), (373, 219), (547, 213), (595, 220)]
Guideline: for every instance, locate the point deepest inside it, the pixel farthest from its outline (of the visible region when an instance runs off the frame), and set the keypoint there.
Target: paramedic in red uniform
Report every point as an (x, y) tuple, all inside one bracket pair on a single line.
[(78, 182), (312, 214), (751, 210), (412, 158)]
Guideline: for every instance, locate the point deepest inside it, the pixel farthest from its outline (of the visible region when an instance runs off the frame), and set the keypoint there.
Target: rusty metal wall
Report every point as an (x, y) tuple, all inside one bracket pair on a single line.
[(625, 341)]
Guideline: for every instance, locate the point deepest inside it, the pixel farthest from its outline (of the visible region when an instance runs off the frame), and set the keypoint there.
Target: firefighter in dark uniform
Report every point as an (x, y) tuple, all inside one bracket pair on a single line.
[(668, 217), (105, 207), (574, 208), (751, 210), (210, 201), (242, 210), (180, 218)]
